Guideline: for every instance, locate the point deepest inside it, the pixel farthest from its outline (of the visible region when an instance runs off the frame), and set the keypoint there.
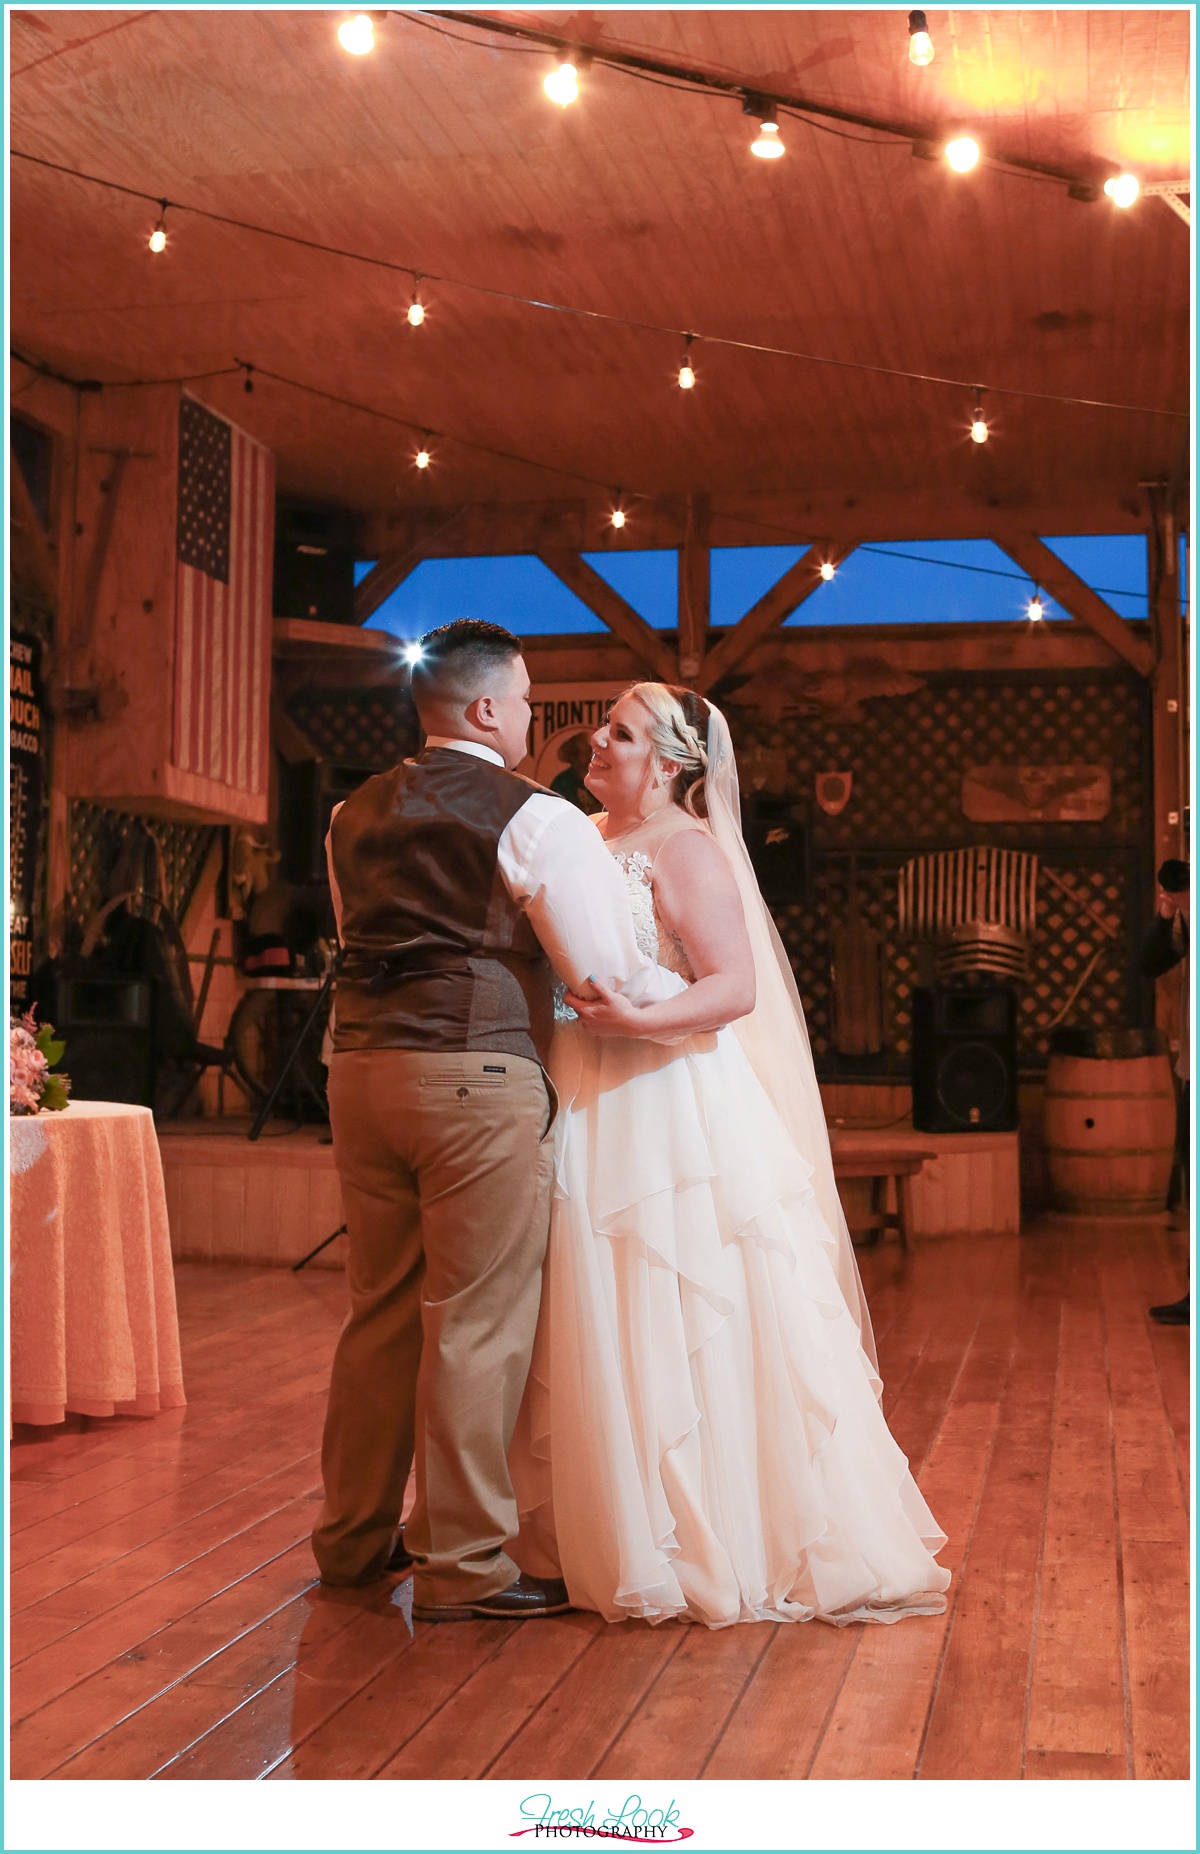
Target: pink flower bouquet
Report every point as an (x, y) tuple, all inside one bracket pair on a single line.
[(32, 1053)]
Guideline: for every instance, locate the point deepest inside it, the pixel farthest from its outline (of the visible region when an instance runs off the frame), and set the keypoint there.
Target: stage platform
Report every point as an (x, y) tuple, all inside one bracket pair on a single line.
[(232, 1199), (271, 1200)]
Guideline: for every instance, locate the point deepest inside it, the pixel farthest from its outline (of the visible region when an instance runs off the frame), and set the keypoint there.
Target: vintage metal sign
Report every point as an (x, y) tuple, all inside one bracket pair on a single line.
[(26, 736)]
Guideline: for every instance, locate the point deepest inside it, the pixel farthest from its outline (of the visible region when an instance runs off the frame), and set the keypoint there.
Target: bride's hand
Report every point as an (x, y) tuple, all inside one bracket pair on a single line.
[(607, 1013)]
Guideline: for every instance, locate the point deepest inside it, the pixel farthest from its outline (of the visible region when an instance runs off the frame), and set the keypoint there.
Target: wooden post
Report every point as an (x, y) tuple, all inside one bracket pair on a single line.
[(695, 592), (1169, 694), (776, 604)]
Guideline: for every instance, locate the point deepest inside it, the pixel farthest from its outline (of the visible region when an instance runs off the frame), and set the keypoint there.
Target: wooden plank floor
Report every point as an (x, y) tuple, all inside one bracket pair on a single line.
[(166, 1621)]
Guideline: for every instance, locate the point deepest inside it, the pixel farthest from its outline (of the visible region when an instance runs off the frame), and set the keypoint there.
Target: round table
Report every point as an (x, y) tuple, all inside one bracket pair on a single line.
[(93, 1326)]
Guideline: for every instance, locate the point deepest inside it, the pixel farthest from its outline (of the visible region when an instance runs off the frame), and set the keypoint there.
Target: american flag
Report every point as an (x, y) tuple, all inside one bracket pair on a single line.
[(225, 536)]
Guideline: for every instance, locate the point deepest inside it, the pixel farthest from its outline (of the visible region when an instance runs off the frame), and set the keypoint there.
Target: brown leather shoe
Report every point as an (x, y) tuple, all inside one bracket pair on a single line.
[(1175, 1313), (528, 1598)]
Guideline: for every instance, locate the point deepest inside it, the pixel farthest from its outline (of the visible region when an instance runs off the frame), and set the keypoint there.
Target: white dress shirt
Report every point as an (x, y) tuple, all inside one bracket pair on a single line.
[(554, 864)]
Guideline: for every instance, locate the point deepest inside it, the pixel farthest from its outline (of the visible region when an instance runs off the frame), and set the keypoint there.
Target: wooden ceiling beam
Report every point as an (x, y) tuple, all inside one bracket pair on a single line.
[(383, 579), (1075, 596), (761, 518), (776, 604), (612, 610)]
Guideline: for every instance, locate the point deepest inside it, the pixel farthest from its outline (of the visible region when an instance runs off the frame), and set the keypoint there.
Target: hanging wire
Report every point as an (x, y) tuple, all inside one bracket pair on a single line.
[(599, 315)]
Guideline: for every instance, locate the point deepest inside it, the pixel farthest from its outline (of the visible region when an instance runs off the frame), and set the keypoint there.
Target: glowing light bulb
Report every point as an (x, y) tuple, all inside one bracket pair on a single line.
[(827, 569), (1035, 609), (920, 45), (979, 428), (962, 153), (1122, 189), (422, 458), (687, 373), (562, 84), (158, 237), (416, 312), (618, 518), (413, 653), (357, 35), (767, 145)]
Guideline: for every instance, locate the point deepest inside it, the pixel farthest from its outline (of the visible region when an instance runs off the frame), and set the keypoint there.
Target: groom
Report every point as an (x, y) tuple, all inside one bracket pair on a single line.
[(457, 885)]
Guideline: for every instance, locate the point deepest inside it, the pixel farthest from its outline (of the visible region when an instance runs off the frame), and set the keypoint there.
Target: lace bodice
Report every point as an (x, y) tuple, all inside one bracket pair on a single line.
[(653, 936), (635, 859)]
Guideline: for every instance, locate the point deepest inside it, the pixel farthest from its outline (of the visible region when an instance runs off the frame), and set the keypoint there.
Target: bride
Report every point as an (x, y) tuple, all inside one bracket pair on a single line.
[(702, 1435)]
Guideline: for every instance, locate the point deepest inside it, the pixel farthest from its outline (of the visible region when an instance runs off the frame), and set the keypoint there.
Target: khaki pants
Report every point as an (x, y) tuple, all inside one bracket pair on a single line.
[(446, 1163)]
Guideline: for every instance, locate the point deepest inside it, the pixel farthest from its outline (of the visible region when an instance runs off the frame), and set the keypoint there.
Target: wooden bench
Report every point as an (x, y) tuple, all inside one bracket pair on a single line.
[(875, 1156)]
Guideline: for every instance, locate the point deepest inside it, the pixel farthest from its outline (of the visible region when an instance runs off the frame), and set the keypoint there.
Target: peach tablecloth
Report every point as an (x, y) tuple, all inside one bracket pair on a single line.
[(93, 1326)]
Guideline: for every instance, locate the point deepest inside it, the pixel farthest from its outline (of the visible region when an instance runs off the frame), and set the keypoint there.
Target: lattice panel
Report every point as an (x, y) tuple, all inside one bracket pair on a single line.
[(95, 842), (807, 932), (909, 753), (356, 727), (1061, 955)]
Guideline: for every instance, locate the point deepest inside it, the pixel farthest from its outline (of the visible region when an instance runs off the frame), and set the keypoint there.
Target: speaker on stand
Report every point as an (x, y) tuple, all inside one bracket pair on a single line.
[(964, 1062)]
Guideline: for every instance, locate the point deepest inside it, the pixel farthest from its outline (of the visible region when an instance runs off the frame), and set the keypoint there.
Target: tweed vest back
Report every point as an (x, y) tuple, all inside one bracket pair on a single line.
[(438, 956)]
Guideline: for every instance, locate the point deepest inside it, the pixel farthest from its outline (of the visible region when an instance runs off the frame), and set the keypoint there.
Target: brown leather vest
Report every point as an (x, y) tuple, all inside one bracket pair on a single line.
[(438, 955)]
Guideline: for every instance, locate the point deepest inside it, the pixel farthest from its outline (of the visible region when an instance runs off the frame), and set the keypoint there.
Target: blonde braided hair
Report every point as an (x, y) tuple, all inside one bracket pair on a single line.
[(678, 731)]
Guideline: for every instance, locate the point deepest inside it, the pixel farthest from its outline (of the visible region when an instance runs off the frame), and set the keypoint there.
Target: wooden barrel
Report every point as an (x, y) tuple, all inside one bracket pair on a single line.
[(1110, 1128)]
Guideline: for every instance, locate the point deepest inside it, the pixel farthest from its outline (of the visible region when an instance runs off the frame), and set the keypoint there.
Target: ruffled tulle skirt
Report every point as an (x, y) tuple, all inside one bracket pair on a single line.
[(701, 1434)]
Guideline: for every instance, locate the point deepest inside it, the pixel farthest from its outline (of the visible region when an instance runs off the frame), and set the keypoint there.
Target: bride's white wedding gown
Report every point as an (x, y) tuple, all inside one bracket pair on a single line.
[(702, 1435)]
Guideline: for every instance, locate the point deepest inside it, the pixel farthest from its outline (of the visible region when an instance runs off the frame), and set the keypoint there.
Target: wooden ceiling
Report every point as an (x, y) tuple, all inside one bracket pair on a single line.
[(440, 151)]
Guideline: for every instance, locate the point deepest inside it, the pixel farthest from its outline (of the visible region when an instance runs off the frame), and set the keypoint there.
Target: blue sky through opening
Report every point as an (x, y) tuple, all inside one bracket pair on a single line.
[(898, 582)]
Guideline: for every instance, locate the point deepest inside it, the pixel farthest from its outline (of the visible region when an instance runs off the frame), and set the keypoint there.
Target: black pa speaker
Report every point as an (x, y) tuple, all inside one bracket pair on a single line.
[(308, 792), (964, 1061), (107, 1025), (314, 563)]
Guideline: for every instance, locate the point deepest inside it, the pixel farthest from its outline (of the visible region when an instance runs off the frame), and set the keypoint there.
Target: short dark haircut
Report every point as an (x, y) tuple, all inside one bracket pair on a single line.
[(459, 660)]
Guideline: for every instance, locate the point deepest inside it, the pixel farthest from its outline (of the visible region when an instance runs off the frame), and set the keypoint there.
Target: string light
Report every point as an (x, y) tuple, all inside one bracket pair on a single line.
[(687, 373), (1035, 611), (618, 517), (562, 84), (416, 308), (158, 237), (357, 35), (979, 424), (766, 144), (962, 153), (1122, 189), (920, 45), (827, 570), (609, 318), (248, 384), (424, 456)]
